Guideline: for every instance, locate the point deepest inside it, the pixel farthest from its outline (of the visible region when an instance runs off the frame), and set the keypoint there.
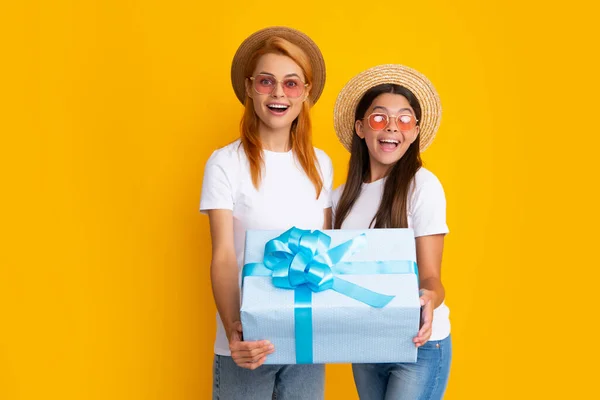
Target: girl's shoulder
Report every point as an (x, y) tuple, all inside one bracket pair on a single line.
[(426, 187), (426, 178)]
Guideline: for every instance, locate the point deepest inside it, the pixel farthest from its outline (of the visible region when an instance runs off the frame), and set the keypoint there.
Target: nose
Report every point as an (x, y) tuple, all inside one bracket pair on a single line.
[(392, 126), (277, 90)]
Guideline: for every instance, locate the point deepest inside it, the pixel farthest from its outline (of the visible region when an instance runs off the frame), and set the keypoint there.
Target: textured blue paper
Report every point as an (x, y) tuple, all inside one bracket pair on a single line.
[(344, 330)]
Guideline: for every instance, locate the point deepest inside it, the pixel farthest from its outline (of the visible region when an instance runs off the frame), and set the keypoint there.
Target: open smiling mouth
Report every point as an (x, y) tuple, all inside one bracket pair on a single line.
[(389, 144), (278, 108)]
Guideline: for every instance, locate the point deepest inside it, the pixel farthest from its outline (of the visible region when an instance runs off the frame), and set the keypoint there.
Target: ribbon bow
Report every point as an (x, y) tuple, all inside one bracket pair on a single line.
[(300, 257)]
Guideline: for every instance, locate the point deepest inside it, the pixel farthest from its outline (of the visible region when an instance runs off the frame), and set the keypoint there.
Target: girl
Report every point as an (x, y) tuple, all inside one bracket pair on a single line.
[(385, 117), (271, 178)]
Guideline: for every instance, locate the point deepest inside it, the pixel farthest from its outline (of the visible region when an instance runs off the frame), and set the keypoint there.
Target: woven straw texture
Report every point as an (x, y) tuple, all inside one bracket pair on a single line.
[(257, 40), (417, 83)]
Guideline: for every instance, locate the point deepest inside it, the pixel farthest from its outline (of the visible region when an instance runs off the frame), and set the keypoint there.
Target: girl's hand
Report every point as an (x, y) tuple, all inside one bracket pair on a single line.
[(426, 317)]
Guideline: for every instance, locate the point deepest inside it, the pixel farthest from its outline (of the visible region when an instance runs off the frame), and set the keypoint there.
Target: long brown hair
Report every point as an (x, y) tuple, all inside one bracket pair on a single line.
[(301, 130), (392, 212)]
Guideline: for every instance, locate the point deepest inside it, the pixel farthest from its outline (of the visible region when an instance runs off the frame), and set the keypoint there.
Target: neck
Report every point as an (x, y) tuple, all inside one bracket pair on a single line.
[(277, 140), (378, 171)]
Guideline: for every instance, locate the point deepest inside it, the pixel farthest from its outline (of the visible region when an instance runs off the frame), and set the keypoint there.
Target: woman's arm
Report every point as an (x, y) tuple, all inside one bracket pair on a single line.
[(223, 268), (225, 286)]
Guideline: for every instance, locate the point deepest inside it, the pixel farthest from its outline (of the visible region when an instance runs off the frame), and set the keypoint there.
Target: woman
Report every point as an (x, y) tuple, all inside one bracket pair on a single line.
[(271, 178), (385, 117)]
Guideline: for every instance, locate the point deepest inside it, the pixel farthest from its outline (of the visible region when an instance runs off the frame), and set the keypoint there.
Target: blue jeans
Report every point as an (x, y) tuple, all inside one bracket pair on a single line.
[(267, 382), (424, 380)]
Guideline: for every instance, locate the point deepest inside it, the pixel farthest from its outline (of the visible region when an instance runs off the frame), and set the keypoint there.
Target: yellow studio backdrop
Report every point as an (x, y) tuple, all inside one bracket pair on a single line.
[(110, 110)]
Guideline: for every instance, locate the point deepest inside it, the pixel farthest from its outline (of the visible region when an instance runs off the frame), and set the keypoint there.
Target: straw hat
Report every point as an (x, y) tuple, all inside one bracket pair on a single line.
[(417, 83), (258, 39)]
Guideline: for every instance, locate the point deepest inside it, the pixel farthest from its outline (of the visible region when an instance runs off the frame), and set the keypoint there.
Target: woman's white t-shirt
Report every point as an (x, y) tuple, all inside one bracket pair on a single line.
[(286, 197), (426, 216)]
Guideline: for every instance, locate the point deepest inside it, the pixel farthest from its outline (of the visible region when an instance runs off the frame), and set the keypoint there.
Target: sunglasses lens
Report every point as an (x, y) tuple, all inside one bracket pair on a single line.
[(264, 84), (378, 122), (293, 87), (406, 122)]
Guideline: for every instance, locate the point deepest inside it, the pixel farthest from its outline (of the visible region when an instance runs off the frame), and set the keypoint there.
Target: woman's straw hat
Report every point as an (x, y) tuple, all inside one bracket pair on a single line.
[(258, 39)]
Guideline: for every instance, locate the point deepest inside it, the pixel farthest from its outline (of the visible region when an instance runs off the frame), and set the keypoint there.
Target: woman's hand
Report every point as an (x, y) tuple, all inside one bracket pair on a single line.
[(249, 355), (426, 299)]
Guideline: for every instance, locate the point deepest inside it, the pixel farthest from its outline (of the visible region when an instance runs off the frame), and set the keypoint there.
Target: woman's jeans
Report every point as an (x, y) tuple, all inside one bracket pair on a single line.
[(267, 382)]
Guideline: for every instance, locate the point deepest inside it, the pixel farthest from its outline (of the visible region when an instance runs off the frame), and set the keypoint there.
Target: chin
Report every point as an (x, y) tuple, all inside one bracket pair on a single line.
[(386, 159), (275, 125), (279, 122), (387, 162)]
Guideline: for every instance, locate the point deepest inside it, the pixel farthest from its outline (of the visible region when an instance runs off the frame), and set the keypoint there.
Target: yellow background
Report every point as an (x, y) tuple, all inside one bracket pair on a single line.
[(111, 108)]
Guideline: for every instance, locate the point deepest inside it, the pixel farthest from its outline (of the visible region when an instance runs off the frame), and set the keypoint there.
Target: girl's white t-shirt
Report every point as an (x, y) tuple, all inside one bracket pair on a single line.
[(286, 197), (426, 216)]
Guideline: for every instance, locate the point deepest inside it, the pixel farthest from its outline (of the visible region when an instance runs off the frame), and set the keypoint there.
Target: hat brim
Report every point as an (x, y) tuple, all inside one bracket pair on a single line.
[(417, 83), (258, 39)]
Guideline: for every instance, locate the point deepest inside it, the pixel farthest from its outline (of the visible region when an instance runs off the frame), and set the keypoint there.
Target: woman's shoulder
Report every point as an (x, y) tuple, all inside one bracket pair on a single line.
[(326, 166), (322, 156), (337, 193), (339, 189), (228, 155)]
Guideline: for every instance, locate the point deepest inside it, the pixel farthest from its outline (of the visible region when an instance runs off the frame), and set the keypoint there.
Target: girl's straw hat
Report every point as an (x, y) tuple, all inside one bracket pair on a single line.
[(417, 83)]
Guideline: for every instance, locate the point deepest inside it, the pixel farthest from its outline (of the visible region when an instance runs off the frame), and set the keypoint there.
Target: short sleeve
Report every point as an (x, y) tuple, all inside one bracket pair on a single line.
[(335, 199), (327, 173), (336, 195), (429, 208), (217, 187)]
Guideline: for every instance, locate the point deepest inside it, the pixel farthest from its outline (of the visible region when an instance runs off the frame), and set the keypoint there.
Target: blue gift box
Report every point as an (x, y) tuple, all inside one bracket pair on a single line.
[(332, 296)]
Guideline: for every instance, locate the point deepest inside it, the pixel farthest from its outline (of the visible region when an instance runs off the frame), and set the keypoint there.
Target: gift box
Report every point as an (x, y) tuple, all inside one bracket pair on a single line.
[(332, 296)]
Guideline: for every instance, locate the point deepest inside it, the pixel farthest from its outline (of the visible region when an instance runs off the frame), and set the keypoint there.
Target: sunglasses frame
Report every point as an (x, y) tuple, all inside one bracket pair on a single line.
[(253, 78), (389, 119)]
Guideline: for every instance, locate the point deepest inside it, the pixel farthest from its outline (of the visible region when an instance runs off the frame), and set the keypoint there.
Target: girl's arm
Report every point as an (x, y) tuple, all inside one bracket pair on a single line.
[(429, 260), (432, 293)]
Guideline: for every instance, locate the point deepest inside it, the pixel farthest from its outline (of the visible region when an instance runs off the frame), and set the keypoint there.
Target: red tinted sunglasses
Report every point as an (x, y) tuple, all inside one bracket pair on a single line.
[(380, 121), (293, 87)]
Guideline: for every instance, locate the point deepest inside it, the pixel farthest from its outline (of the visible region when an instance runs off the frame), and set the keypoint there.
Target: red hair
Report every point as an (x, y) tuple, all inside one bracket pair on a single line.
[(301, 132)]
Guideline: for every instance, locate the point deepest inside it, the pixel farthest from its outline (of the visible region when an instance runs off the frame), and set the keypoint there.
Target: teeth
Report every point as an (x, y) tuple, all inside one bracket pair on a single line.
[(389, 141), (280, 106)]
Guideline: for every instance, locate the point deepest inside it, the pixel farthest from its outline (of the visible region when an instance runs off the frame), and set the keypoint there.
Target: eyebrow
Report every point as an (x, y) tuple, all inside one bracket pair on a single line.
[(287, 76), (400, 110)]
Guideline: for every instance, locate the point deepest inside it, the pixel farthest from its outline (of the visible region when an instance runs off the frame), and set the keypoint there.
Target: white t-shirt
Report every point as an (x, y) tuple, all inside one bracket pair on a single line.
[(426, 216), (286, 197)]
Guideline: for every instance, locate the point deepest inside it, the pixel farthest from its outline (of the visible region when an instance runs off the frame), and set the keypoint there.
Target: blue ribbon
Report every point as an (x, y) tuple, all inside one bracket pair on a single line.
[(302, 260)]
